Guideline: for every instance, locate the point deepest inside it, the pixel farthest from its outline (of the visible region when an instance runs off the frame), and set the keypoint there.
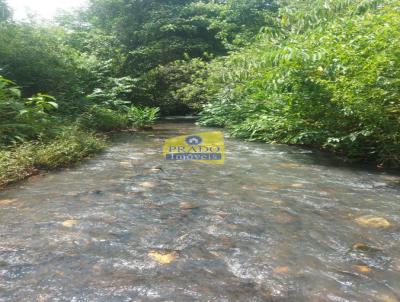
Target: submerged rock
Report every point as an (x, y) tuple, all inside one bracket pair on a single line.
[(289, 165), (282, 270), (297, 185), (96, 192), (362, 268), (69, 223), (147, 184), (373, 221), (163, 257), (152, 205), (188, 206), (273, 186), (365, 248), (6, 202), (386, 298), (283, 217)]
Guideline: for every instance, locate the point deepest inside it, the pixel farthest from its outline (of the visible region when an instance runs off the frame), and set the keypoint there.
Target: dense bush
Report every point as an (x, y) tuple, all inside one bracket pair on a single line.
[(335, 86), (103, 119), (69, 147), (24, 118), (16, 163), (142, 117)]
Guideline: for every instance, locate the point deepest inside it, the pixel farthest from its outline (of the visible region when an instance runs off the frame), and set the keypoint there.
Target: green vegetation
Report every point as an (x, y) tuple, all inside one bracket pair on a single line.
[(141, 117), (320, 73), (68, 148), (326, 76)]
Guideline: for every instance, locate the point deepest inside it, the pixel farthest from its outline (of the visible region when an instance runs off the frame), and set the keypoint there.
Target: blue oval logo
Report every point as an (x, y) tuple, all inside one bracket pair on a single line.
[(193, 140)]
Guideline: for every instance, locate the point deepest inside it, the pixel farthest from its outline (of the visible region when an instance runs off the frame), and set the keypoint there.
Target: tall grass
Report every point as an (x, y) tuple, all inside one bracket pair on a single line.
[(69, 147)]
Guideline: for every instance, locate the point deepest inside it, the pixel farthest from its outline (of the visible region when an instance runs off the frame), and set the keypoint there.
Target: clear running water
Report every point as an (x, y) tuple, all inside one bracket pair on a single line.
[(275, 223)]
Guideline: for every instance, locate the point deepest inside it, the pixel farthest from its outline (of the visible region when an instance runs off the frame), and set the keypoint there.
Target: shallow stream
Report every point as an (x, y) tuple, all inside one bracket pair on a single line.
[(274, 223)]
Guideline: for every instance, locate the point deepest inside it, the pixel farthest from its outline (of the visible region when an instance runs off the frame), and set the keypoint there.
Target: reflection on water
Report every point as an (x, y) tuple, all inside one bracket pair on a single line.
[(275, 223)]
